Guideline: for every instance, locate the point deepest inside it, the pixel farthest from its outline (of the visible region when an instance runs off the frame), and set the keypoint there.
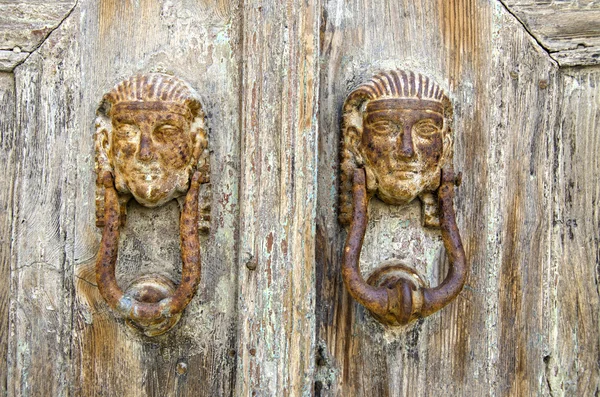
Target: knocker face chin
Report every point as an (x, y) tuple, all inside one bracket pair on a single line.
[(151, 151), (402, 145)]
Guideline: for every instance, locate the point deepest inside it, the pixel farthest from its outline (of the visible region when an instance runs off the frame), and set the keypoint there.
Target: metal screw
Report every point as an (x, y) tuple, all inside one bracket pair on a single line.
[(181, 368), (251, 263)]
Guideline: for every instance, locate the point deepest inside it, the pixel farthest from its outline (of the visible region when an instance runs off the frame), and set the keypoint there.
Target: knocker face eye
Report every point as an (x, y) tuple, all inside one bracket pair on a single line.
[(126, 131), (427, 129)]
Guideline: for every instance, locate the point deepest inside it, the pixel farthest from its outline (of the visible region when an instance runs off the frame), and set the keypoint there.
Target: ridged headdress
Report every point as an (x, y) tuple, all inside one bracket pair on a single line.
[(153, 87), (398, 84)]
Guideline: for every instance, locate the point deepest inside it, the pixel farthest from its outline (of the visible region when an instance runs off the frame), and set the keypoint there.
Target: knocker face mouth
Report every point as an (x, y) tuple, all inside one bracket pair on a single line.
[(151, 150)]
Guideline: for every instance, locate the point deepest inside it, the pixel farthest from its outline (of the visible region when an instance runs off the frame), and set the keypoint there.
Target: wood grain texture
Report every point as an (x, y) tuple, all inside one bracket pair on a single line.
[(9, 153), (493, 339), (279, 149), (572, 362), (10, 59), (577, 57), (46, 107), (24, 25), (562, 27)]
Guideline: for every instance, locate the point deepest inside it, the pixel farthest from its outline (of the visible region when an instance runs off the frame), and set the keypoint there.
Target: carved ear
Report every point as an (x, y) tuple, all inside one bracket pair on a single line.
[(448, 147), (430, 216), (350, 157), (200, 153), (201, 158), (102, 162)]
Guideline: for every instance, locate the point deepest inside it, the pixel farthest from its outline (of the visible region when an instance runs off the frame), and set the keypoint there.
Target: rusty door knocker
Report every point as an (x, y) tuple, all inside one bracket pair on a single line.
[(151, 144), (397, 144)]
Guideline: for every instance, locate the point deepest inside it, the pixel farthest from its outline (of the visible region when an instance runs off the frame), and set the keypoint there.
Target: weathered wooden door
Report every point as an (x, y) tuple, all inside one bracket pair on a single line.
[(272, 316)]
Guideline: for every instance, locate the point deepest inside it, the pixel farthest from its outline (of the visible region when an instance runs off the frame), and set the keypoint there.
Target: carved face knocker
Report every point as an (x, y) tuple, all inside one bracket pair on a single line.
[(397, 145), (151, 145)]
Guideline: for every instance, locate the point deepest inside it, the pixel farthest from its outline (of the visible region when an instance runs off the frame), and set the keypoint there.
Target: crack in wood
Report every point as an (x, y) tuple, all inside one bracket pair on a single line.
[(45, 38), (573, 42), (524, 25)]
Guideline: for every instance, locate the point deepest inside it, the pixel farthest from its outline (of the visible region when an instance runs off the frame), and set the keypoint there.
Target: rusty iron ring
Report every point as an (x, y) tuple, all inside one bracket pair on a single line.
[(402, 301), (155, 317)]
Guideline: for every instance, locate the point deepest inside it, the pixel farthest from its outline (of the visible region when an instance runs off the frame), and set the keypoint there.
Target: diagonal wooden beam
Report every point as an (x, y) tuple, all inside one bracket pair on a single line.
[(570, 33), (25, 26)]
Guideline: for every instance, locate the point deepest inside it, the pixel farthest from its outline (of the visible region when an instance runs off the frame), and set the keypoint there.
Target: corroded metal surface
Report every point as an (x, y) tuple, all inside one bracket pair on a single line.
[(397, 145), (151, 136), (397, 127), (150, 145)]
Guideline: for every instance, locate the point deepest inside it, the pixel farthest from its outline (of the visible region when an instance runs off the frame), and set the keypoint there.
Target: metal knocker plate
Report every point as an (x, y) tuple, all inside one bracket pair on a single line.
[(151, 145), (397, 145)]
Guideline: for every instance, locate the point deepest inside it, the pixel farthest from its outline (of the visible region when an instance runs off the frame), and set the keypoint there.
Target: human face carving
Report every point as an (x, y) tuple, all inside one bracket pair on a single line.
[(151, 150), (402, 145)]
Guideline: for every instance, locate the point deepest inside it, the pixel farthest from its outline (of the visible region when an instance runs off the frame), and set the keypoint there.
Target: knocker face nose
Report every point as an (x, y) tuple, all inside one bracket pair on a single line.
[(405, 145)]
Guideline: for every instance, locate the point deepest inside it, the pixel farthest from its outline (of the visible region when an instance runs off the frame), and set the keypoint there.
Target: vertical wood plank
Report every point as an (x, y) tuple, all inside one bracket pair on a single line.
[(572, 366), (527, 104), (47, 92), (279, 152), (9, 154), (198, 42), (494, 338)]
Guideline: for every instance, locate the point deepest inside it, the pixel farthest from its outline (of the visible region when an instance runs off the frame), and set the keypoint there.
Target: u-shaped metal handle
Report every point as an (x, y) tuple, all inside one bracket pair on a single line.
[(159, 313), (399, 300)]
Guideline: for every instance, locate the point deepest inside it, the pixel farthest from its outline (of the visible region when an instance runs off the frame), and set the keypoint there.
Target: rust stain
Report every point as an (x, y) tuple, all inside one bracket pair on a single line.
[(462, 25), (270, 242), (115, 16), (270, 239), (512, 344)]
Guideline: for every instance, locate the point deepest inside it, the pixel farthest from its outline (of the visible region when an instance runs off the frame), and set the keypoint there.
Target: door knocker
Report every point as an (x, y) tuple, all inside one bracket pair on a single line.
[(151, 144), (397, 145)]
